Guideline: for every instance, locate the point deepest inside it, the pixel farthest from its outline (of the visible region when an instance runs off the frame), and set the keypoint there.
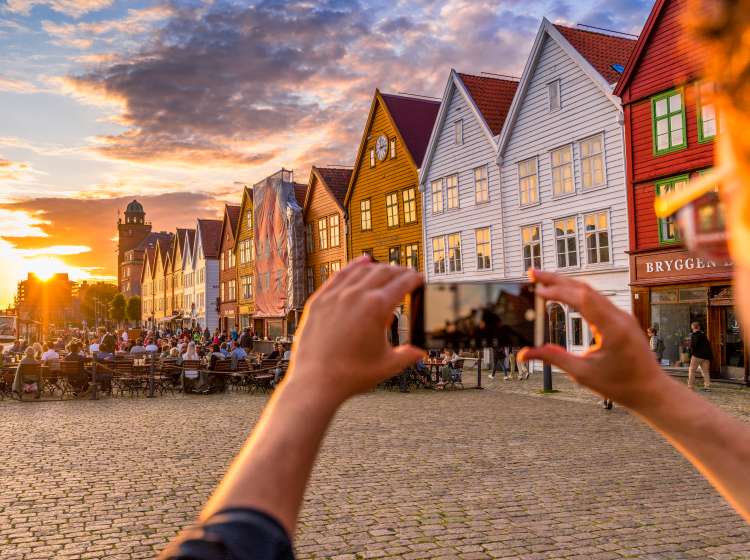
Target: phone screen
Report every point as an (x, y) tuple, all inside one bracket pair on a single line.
[(469, 316)]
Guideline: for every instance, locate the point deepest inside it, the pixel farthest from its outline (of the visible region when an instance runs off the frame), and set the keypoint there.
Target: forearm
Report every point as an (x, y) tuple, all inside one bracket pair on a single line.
[(715, 442), (272, 470)]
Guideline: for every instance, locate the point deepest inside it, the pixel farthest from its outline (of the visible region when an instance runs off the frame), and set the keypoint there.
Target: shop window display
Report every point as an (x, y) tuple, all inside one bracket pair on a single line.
[(672, 312)]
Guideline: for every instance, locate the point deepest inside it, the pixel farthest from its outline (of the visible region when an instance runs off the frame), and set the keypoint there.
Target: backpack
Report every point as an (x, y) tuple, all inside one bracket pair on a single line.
[(659, 346)]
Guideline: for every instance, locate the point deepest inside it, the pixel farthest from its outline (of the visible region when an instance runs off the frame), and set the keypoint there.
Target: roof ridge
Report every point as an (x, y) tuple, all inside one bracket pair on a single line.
[(606, 33), (496, 77)]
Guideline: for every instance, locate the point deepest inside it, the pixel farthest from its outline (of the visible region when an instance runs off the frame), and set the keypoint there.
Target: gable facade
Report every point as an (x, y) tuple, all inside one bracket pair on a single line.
[(228, 270), (245, 257), (563, 184)]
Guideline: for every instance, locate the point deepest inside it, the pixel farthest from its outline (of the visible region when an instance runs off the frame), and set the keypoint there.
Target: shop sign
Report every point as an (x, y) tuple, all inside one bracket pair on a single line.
[(678, 265)]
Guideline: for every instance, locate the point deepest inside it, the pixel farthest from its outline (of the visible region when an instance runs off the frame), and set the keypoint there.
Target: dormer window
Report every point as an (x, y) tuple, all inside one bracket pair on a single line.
[(372, 158), (553, 95)]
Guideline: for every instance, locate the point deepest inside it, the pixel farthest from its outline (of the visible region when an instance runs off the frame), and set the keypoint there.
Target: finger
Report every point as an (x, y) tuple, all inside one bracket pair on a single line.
[(377, 276), (404, 283), (351, 270), (557, 356), (402, 357), (595, 308)]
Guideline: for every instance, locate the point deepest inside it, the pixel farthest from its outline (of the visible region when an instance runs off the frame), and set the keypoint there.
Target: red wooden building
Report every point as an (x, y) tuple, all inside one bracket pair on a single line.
[(670, 125)]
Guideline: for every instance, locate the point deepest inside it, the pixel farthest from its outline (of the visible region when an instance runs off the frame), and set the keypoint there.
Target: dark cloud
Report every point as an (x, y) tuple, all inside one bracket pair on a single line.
[(619, 15)]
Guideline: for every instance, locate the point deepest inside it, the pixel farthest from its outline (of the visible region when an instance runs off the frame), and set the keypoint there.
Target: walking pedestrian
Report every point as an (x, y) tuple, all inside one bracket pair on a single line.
[(701, 356), (655, 343), (498, 359)]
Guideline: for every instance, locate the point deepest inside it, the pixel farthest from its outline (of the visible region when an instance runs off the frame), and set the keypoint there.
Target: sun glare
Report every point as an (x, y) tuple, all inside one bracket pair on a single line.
[(46, 268)]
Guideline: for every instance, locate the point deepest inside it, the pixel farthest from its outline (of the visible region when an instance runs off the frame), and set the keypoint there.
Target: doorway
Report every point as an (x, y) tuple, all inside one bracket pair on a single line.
[(557, 328), (731, 346)]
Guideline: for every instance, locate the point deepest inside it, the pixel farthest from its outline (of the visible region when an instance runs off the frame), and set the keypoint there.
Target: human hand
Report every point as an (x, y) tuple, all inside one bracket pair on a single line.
[(341, 344), (620, 365)]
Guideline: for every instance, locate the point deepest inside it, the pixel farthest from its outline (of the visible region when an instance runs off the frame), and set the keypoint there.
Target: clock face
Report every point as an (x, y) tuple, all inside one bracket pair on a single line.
[(381, 147)]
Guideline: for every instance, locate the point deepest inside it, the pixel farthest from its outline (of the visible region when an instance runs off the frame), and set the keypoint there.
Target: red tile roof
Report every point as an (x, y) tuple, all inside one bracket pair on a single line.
[(414, 118), (150, 254), (601, 50), (233, 213), (492, 97), (337, 179), (210, 231), (300, 190), (165, 244), (150, 240)]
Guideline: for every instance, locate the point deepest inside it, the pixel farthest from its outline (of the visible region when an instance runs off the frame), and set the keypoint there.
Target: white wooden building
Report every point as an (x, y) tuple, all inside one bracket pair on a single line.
[(460, 180), (205, 272), (562, 167)]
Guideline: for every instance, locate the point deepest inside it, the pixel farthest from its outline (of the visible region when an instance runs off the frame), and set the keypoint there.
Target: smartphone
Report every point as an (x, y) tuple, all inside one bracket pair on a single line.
[(474, 315)]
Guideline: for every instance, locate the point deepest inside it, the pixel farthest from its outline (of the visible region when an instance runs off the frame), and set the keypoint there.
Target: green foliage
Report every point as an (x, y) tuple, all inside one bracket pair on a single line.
[(117, 308), (133, 309), (90, 295)]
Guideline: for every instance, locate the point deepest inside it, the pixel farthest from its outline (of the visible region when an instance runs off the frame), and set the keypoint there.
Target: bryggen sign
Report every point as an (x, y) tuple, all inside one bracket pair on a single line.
[(678, 265)]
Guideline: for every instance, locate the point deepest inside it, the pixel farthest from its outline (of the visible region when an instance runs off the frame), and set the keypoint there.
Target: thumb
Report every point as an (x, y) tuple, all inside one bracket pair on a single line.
[(404, 356), (555, 355)]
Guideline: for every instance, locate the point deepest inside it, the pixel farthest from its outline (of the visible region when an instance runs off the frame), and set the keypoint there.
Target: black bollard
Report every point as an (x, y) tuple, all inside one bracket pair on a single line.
[(479, 372), (94, 385), (547, 369), (151, 377)]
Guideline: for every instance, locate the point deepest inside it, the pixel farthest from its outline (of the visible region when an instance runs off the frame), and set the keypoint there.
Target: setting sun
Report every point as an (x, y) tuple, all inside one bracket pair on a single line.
[(45, 268)]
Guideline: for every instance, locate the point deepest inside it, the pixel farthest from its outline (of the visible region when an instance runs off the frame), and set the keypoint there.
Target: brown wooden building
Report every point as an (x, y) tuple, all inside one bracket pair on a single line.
[(244, 258), (670, 126), (228, 310), (325, 224)]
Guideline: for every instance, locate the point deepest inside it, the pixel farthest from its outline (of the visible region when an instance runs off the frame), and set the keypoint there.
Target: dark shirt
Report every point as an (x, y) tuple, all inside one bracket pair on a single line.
[(73, 358), (233, 534), (700, 347), (274, 355)]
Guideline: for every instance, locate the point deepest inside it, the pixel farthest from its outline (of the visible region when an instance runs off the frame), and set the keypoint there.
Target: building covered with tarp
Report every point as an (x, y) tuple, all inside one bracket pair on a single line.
[(279, 240)]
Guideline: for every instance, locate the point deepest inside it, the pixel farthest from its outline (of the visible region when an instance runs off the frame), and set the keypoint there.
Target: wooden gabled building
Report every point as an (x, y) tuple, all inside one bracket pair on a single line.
[(670, 126), (228, 312), (245, 257), (325, 221)]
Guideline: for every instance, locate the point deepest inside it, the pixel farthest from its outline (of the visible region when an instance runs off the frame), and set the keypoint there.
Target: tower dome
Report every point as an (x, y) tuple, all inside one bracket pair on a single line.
[(134, 207)]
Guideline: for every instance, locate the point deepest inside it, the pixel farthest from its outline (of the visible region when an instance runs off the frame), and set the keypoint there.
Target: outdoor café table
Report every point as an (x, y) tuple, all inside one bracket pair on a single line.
[(434, 368)]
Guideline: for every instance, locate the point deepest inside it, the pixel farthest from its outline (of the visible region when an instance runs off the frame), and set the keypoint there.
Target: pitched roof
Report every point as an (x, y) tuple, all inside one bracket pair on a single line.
[(300, 190), (164, 244), (150, 240), (180, 240), (150, 255), (190, 239), (210, 232), (414, 118), (601, 50), (492, 97), (233, 213), (337, 181), (640, 46)]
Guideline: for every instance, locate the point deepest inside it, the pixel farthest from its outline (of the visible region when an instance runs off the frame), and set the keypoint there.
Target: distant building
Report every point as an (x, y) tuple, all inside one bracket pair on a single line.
[(130, 235), (228, 269), (131, 267), (48, 302)]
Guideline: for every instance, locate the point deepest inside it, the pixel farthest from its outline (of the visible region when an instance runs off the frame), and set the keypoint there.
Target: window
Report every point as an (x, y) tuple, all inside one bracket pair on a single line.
[(232, 285), (365, 215), (484, 253), (596, 227), (592, 161), (451, 187), (334, 230), (323, 233), (309, 237), (566, 243), (668, 113), (553, 95), (562, 171), (437, 196), (411, 254), (438, 254), (454, 252), (668, 232), (372, 158), (576, 330), (223, 291), (249, 219), (324, 272), (391, 209), (246, 285), (232, 258), (394, 256), (409, 197), (392, 148), (532, 247), (246, 251), (481, 184), (527, 181), (335, 267), (458, 131), (706, 112), (367, 252), (310, 281)]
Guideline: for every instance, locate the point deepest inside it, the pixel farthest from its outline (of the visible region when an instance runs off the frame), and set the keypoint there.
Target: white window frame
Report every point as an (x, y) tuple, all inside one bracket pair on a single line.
[(561, 167), (392, 148), (365, 212), (408, 258), (521, 178), (372, 158), (323, 233), (554, 94), (541, 248), (334, 230), (458, 132), (439, 267), (485, 191), (455, 264), (452, 202), (488, 256), (388, 207), (565, 237), (582, 158), (436, 196), (596, 213), (409, 203)]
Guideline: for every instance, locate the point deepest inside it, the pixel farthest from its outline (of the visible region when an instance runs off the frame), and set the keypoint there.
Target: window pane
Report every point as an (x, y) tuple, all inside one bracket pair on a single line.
[(661, 107), (451, 183), (675, 103), (437, 196), (391, 206)]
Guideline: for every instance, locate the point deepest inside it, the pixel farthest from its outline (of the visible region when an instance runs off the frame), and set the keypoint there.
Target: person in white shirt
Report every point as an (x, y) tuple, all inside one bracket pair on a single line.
[(151, 346), (124, 336), (50, 358)]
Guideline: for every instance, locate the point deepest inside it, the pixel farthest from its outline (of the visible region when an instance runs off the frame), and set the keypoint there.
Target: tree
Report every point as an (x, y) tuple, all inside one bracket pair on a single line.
[(133, 309), (117, 308), (94, 298)]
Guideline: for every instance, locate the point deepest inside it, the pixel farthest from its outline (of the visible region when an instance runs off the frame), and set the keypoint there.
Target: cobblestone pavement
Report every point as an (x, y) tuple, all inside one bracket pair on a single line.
[(501, 473)]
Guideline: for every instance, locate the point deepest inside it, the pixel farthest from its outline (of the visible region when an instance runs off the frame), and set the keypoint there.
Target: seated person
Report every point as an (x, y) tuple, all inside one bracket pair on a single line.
[(138, 347), (276, 354), (238, 353), (448, 369), (215, 356), (22, 378), (224, 349), (79, 382), (50, 358)]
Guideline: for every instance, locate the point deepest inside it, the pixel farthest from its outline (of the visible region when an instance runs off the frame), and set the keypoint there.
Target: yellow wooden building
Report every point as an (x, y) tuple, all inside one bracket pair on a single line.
[(382, 200), (244, 261)]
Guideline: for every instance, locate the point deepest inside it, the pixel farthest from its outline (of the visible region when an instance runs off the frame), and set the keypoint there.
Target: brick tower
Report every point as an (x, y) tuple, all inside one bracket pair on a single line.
[(131, 232)]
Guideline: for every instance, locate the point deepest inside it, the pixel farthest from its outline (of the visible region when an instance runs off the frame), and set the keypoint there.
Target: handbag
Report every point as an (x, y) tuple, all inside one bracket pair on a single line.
[(30, 387)]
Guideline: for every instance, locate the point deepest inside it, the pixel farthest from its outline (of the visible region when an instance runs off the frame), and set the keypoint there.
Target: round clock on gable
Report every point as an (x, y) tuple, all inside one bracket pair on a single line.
[(381, 147)]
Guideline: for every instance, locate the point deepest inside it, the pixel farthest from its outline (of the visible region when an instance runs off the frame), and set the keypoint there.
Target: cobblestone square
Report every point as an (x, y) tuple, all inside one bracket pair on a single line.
[(500, 473)]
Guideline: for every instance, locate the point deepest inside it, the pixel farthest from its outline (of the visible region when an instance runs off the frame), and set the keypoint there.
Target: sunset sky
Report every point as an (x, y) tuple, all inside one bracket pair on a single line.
[(172, 102)]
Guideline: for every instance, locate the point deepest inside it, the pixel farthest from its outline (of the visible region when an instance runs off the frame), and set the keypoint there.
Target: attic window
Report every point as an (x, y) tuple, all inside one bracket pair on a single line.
[(372, 158), (619, 68), (553, 94), (458, 131), (393, 148)]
